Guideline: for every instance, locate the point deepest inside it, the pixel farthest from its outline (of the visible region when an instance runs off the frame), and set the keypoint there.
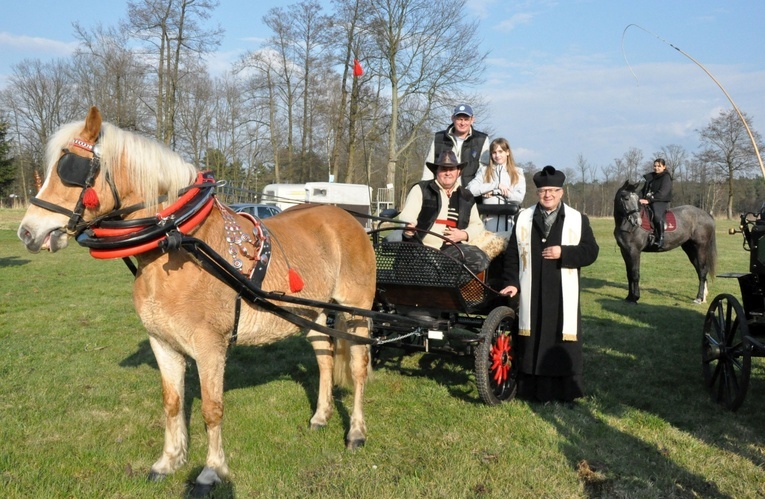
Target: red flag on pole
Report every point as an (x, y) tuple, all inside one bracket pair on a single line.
[(357, 69)]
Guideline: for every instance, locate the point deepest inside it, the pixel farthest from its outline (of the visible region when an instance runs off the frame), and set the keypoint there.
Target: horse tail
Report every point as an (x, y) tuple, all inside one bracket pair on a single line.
[(343, 371), (712, 252)]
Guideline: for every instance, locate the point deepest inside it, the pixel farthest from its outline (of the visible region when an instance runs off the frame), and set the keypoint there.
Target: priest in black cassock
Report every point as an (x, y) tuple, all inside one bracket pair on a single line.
[(551, 241)]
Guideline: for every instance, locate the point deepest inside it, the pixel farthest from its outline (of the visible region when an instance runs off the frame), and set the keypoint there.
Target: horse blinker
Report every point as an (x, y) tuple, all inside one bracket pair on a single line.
[(75, 171)]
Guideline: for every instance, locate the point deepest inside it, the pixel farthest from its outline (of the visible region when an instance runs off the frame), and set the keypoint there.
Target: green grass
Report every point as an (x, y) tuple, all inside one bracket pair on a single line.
[(81, 415)]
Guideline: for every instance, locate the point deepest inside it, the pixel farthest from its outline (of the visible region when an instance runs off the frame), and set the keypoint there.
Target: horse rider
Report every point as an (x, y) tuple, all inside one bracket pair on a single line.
[(657, 193)]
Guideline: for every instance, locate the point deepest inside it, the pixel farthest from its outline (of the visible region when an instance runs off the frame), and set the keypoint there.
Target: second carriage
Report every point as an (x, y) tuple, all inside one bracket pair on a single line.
[(734, 331)]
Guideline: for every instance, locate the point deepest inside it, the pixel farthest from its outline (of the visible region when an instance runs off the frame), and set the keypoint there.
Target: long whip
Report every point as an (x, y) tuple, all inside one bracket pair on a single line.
[(740, 115)]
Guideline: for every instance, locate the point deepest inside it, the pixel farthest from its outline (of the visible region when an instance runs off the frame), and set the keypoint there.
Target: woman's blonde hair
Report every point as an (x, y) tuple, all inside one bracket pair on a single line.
[(503, 144)]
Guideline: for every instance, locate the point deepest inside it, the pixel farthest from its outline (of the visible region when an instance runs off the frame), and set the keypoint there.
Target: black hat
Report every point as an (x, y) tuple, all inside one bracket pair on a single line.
[(446, 159), (549, 177)]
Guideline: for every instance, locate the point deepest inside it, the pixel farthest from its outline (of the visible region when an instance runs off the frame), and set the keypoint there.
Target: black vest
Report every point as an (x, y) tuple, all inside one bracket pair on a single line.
[(470, 154), (431, 206)]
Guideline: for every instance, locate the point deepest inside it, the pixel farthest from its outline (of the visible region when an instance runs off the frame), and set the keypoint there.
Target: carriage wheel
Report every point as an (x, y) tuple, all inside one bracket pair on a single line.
[(495, 357), (726, 356)]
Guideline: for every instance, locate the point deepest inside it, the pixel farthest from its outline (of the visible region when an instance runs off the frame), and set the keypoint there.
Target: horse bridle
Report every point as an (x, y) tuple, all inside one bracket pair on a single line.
[(76, 171), (632, 217)]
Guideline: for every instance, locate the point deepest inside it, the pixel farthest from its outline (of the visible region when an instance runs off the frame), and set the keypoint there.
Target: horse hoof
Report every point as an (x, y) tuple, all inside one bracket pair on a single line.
[(205, 483), (355, 444), (201, 489), (156, 477), (698, 301), (316, 426), (633, 301)]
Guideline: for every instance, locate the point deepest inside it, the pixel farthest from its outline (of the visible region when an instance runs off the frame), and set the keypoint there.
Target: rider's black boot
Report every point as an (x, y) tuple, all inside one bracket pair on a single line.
[(660, 236)]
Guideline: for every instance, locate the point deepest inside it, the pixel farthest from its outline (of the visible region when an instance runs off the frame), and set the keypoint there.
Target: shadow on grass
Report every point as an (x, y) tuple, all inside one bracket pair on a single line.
[(680, 295), (222, 490), (250, 366), (451, 370), (13, 261), (626, 464), (644, 364)]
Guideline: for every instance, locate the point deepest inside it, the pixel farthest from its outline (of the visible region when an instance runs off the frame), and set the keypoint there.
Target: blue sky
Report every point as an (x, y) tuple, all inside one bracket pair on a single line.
[(557, 84)]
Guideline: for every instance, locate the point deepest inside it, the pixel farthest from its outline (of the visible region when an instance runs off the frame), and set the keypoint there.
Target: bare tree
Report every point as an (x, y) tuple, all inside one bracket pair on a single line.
[(628, 167), (263, 92), (38, 99), (311, 32), (110, 76), (583, 168), (726, 146), (282, 72), (196, 108), (427, 50), (350, 32), (174, 31)]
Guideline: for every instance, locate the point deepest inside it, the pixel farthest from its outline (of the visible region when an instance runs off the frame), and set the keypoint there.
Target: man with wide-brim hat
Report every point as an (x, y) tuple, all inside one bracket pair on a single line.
[(469, 145), (551, 241), (442, 206)]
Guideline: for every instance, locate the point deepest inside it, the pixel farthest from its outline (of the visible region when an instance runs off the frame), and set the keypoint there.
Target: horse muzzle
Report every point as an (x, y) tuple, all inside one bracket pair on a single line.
[(52, 240)]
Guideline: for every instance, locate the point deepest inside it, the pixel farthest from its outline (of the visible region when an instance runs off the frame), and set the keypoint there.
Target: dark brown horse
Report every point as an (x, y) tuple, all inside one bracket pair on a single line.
[(93, 168), (694, 232)]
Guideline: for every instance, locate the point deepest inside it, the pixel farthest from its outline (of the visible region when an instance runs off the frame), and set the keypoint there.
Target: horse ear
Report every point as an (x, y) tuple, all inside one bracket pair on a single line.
[(92, 125)]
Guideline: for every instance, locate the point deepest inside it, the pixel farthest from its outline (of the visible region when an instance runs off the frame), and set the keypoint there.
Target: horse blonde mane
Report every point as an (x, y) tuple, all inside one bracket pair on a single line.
[(152, 168)]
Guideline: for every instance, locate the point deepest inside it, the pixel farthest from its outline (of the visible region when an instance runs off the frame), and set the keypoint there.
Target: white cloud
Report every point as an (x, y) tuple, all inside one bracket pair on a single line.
[(514, 21), (36, 45), (553, 111)]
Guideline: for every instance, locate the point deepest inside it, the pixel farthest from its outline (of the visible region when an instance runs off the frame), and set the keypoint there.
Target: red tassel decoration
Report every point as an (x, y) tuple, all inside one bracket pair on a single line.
[(90, 198), (357, 69), (296, 282)]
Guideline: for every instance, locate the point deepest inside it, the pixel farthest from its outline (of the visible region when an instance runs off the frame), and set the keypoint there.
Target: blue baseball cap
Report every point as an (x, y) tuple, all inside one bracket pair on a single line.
[(463, 109)]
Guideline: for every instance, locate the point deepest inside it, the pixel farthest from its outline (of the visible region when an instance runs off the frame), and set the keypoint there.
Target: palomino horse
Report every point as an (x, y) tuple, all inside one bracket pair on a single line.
[(187, 311), (695, 233)]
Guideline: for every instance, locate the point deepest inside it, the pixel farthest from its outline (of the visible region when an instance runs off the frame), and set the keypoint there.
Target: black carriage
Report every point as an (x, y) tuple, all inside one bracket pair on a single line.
[(456, 311), (733, 330)]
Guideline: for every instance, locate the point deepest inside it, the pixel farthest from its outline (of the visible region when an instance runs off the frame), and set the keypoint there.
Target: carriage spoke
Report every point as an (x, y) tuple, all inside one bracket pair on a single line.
[(725, 358)]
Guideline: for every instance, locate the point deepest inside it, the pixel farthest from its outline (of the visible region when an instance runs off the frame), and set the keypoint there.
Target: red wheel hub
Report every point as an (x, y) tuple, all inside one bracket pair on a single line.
[(501, 358)]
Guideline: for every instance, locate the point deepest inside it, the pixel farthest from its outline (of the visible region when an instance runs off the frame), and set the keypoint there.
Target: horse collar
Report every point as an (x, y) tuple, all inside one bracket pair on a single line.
[(124, 238)]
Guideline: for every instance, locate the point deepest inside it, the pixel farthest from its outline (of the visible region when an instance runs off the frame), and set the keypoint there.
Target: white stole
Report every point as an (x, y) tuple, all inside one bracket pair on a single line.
[(569, 279)]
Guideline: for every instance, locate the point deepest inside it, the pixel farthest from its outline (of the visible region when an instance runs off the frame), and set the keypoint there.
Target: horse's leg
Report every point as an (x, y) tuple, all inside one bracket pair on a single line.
[(632, 263), (359, 366), (698, 258), (211, 363), (172, 368), (323, 347)]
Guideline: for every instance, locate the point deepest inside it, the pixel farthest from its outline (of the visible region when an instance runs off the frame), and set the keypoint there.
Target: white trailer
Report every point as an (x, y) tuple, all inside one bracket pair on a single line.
[(283, 195), (352, 197)]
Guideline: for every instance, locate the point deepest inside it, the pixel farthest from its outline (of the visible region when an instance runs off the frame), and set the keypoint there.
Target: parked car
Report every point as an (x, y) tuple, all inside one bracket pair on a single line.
[(256, 210)]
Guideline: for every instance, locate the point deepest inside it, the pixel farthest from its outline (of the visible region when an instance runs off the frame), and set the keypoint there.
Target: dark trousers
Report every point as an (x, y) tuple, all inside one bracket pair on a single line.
[(659, 211)]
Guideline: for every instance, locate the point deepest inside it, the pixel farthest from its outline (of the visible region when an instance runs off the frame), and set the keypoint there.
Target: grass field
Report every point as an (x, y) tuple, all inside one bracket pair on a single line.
[(81, 408)]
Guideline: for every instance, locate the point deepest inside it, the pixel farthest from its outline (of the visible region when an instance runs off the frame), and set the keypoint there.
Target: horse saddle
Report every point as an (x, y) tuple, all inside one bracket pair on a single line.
[(670, 223)]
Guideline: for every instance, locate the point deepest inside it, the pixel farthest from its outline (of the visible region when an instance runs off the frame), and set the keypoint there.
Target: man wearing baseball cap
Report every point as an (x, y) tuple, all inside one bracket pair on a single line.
[(469, 145)]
